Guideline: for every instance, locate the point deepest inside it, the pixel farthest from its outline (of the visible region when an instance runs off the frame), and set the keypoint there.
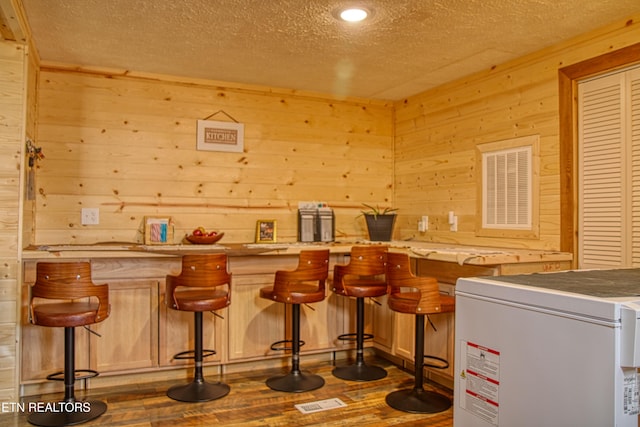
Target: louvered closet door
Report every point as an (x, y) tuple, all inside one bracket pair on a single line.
[(609, 171), (633, 79)]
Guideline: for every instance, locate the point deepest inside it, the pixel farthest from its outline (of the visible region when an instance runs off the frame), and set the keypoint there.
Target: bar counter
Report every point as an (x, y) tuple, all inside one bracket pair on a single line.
[(434, 251), (141, 335)]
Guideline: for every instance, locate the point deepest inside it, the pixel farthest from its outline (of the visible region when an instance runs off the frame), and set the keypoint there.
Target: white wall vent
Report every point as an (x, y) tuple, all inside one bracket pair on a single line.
[(507, 188)]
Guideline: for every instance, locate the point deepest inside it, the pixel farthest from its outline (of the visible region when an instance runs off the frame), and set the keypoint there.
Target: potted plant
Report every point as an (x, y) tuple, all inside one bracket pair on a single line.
[(379, 222)]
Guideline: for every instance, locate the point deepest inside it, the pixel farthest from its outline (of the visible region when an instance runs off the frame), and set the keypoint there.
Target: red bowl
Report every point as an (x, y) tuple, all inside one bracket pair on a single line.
[(204, 240)]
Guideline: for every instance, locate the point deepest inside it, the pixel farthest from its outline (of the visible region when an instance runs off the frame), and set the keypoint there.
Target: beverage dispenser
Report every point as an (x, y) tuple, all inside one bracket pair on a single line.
[(316, 224)]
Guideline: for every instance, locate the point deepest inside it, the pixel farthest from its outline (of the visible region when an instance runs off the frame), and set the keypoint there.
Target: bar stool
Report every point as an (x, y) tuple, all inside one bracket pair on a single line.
[(305, 284), (361, 278), (203, 285), (78, 302), (422, 299)]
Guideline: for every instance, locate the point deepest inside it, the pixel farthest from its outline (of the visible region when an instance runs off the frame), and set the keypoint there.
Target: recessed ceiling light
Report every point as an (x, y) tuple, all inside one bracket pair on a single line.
[(354, 14)]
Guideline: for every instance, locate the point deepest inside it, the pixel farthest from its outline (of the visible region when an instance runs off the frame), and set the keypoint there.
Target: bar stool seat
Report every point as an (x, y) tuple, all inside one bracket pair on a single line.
[(304, 285), (363, 277), (419, 296), (203, 285), (78, 302)]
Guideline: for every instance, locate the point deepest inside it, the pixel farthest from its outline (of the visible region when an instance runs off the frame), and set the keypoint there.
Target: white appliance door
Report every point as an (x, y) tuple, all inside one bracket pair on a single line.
[(527, 366)]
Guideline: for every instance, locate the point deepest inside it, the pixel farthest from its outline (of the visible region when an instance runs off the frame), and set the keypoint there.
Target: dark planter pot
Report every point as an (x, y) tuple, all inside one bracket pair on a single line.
[(380, 226)]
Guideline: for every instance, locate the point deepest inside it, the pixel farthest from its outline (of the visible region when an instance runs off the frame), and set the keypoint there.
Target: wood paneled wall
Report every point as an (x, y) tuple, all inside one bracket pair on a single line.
[(126, 144), (437, 133), (12, 123)]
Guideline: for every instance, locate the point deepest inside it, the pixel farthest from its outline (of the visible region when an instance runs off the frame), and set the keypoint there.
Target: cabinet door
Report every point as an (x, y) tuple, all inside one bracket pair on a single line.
[(43, 350), (404, 336), (129, 337), (438, 338), (254, 323), (320, 323), (383, 324), (177, 333)]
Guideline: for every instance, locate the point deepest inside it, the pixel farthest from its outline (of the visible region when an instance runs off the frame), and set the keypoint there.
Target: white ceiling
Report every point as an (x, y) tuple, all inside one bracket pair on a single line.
[(407, 47)]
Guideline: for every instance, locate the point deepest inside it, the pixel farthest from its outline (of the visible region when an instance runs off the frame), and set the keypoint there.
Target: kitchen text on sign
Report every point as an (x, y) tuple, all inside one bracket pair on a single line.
[(220, 136)]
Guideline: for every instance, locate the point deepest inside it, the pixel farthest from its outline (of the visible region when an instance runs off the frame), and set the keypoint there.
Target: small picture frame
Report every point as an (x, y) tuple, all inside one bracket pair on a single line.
[(158, 230), (220, 136), (266, 231)]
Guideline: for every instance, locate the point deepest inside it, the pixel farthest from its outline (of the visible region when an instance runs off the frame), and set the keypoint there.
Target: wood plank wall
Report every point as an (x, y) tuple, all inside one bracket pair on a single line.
[(126, 144), (12, 105), (437, 133)]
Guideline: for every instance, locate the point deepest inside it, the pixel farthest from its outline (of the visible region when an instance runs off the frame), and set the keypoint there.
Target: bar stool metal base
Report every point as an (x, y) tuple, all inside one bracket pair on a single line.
[(64, 418), (295, 382), (359, 372), (418, 401), (198, 391)]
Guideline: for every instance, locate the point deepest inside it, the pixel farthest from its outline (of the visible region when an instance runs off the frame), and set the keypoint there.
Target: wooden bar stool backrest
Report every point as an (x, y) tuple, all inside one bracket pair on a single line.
[(206, 283), (423, 297), (70, 284), (366, 265), (313, 268)]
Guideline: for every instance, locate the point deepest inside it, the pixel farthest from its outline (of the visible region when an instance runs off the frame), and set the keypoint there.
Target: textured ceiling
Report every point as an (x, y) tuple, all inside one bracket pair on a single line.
[(407, 47)]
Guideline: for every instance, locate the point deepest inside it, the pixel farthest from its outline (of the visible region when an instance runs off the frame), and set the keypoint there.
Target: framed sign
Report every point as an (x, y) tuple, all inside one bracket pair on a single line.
[(220, 136), (158, 230), (266, 231)]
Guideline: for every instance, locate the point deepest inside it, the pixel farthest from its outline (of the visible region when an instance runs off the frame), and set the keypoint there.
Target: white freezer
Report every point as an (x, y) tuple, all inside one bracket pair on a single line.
[(549, 349)]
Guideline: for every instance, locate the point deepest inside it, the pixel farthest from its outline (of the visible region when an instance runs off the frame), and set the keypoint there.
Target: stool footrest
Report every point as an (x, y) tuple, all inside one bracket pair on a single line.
[(191, 354), (79, 374), (444, 364), (354, 337), (278, 345)]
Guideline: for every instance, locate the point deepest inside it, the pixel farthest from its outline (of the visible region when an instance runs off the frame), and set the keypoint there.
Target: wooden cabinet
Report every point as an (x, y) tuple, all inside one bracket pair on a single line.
[(438, 338), (255, 323), (43, 351), (176, 333), (129, 336), (382, 324)]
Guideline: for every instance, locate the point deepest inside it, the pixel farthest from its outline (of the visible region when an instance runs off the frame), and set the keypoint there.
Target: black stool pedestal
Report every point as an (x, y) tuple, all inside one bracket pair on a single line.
[(418, 400), (70, 411), (295, 381), (359, 371), (198, 390)]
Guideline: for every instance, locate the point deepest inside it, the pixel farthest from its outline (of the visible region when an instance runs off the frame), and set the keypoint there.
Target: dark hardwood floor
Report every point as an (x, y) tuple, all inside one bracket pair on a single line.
[(252, 403)]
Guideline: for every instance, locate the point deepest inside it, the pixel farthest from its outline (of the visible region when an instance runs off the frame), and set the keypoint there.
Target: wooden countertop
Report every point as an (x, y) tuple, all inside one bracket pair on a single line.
[(433, 251)]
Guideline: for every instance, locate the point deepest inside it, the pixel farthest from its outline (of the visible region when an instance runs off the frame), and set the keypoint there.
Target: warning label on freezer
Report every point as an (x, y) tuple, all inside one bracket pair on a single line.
[(631, 393), (480, 381)]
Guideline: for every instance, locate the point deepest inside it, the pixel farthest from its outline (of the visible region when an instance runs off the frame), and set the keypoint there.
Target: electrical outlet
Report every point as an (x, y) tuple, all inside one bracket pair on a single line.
[(423, 224), (90, 216), (454, 223)]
